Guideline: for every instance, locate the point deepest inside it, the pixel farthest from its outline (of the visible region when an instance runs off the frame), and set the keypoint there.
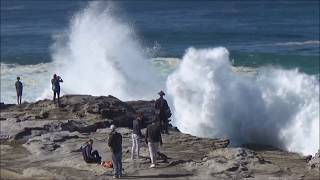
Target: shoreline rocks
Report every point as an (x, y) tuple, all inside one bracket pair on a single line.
[(42, 141)]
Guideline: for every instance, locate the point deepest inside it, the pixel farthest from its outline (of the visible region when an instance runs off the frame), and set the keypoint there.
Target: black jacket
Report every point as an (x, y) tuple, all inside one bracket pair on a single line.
[(162, 106), (86, 152), (136, 127), (115, 142), (153, 133)]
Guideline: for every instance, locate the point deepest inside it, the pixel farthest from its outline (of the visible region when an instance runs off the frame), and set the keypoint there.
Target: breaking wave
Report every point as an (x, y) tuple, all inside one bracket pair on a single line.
[(276, 107), (101, 55)]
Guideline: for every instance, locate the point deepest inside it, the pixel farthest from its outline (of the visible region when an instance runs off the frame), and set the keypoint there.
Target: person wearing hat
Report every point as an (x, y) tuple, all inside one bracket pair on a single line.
[(163, 112), (19, 88), (115, 144)]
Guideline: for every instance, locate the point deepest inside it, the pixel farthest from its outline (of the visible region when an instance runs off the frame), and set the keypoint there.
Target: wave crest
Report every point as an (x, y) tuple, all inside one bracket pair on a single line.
[(276, 107)]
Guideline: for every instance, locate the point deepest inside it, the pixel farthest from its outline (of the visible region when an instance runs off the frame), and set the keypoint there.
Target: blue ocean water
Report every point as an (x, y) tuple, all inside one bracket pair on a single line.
[(284, 33)]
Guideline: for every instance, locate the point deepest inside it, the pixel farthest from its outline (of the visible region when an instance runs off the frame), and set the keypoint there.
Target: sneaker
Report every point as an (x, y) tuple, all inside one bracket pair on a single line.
[(152, 166), (115, 177)]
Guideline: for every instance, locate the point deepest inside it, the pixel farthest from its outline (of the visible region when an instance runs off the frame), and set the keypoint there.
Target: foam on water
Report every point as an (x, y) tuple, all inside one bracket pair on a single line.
[(100, 55), (35, 79), (276, 107)]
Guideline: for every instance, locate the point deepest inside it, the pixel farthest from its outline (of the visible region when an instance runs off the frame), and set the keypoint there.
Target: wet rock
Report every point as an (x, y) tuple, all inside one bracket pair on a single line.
[(314, 162)]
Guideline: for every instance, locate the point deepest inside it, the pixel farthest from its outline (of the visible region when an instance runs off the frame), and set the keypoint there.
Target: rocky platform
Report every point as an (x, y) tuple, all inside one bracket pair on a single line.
[(41, 141)]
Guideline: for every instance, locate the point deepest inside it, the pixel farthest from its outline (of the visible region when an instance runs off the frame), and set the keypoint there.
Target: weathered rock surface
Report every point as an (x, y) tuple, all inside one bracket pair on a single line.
[(42, 141), (72, 107), (314, 163)]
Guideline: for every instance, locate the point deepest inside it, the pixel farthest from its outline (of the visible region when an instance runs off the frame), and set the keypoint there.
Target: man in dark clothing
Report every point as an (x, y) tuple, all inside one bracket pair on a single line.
[(163, 112), (19, 88), (88, 156), (153, 139), (56, 87), (115, 144), (136, 135)]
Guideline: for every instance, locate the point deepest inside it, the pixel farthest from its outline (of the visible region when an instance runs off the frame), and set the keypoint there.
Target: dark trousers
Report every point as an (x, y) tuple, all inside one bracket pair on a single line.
[(164, 125), (117, 163), (19, 99), (56, 93), (96, 157)]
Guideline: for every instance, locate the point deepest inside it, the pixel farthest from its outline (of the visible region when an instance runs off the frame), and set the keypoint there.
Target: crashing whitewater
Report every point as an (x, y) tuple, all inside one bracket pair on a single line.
[(275, 107), (100, 54)]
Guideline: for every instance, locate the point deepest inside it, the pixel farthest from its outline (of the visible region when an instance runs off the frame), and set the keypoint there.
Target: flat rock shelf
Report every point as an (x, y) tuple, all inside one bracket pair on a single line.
[(41, 141)]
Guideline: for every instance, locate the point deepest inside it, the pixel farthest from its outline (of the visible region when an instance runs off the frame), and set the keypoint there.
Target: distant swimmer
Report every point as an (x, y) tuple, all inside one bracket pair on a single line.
[(19, 88), (56, 87)]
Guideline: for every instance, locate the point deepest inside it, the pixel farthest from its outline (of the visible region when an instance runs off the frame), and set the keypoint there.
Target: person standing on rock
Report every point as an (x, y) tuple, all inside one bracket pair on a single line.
[(88, 155), (115, 144), (136, 135), (153, 139), (55, 81), (163, 112), (19, 88)]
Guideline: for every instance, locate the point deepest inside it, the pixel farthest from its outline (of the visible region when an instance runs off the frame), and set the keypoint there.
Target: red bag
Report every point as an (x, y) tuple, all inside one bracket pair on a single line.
[(107, 164)]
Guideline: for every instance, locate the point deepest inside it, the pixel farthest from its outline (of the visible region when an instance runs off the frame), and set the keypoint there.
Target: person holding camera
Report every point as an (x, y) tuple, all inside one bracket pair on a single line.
[(56, 88)]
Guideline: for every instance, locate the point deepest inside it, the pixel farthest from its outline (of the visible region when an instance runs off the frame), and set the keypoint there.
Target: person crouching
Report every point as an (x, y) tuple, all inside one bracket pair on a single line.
[(90, 156)]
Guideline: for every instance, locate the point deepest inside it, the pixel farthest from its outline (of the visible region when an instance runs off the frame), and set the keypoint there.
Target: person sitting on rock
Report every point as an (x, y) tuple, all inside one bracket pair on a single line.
[(19, 88), (163, 112), (136, 135), (153, 139), (88, 156), (56, 87), (115, 144)]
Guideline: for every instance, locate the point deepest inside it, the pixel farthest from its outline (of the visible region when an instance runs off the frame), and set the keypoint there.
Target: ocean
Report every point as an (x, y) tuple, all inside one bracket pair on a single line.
[(229, 67)]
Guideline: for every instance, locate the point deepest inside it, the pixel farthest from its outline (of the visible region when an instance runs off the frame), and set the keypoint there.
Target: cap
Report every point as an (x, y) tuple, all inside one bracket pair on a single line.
[(161, 93)]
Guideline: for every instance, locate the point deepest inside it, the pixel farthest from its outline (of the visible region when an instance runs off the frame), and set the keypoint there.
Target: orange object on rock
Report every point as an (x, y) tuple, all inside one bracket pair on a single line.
[(107, 164)]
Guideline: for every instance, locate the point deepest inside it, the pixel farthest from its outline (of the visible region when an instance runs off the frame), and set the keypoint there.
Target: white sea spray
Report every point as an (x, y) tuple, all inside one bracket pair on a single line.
[(100, 55), (276, 107)]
